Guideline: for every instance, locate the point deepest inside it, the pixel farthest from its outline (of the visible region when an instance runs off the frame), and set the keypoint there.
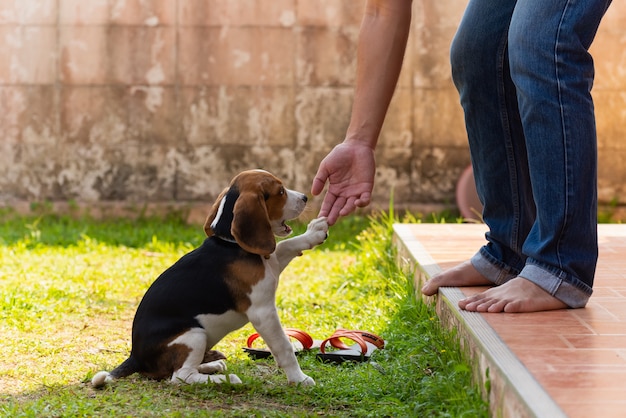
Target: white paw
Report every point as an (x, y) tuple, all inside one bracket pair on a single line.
[(212, 367), (318, 230), (308, 381), (220, 378)]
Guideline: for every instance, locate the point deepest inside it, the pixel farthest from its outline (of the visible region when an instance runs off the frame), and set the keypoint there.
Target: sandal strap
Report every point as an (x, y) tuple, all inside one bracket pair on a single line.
[(305, 339), (358, 336), (372, 338)]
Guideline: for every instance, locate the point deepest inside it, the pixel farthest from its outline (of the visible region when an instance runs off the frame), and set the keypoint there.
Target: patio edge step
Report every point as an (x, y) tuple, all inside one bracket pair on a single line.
[(513, 391)]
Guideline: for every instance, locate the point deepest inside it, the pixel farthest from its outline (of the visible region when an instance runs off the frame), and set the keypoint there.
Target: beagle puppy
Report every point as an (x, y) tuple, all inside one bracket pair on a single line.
[(228, 281)]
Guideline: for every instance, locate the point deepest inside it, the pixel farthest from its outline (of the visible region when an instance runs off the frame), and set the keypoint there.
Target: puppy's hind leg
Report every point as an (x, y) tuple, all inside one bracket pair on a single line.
[(213, 362), (191, 371)]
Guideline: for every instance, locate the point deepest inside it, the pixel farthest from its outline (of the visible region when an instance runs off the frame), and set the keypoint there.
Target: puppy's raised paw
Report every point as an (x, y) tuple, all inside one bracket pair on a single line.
[(318, 230)]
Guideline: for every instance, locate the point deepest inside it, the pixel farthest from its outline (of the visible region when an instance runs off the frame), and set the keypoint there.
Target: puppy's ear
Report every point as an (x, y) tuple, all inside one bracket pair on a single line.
[(213, 213), (251, 224)]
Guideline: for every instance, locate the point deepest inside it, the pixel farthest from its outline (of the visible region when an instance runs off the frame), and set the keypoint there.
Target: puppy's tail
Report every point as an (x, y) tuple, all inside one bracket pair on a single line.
[(128, 367)]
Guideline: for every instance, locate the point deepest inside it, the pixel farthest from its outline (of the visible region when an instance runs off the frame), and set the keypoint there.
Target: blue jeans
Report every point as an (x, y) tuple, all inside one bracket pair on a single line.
[(524, 75)]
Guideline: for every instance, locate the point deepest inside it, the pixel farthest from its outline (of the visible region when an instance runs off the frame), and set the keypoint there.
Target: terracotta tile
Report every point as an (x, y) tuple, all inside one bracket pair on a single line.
[(577, 396), (594, 311), (521, 340), (616, 307), (546, 320), (606, 292), (614, 281), (582, 379), (534, 332), (596, 341), (571, 357), (591, 401), (595, 409), (600, 327)]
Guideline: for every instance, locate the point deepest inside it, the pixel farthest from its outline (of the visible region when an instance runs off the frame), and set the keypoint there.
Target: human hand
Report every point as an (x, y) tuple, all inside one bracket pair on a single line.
[(349, 169)]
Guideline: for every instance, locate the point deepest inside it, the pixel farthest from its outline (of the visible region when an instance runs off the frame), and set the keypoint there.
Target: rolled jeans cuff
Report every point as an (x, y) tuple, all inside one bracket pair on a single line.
[(495, 271), (574, 293)]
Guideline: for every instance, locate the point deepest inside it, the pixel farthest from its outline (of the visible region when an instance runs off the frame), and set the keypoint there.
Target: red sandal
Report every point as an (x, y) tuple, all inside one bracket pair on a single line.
[(305, 340), (366, 344)]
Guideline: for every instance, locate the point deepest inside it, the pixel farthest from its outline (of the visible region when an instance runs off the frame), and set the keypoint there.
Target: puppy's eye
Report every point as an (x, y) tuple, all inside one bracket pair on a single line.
[(281, 191)]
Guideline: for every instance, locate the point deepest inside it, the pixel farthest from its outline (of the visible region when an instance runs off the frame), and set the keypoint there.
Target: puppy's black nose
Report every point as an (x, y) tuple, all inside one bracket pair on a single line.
[(304, 198)]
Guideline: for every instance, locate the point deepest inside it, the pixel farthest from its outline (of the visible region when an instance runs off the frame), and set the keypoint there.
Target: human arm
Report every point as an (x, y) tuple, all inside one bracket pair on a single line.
[(350, 167)]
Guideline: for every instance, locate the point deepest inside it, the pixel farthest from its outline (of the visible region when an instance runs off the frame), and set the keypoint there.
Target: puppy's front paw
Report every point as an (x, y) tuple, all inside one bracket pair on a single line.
[(307, 381), (318, 230)]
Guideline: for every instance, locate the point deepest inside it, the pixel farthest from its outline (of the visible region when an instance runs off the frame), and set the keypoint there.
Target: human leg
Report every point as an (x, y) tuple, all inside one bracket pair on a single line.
[(553, 73), (481, 74)]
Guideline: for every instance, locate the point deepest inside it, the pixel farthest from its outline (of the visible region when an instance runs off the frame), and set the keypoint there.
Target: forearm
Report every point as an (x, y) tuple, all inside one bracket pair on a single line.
[(381, 46)]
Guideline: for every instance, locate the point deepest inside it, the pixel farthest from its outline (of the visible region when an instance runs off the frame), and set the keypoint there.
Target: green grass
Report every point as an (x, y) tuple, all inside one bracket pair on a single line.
[(69, 290)]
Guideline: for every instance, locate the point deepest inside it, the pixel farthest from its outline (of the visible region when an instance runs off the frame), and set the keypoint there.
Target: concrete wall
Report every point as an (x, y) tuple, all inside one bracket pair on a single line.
[(163, 101)]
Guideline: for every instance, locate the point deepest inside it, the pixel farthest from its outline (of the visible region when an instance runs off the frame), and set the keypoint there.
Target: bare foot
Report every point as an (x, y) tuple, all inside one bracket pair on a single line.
[(516, 295), (462, 275)]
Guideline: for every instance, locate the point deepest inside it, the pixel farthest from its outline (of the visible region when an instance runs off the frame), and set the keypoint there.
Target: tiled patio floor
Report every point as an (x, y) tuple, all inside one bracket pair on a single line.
[(559, 363)]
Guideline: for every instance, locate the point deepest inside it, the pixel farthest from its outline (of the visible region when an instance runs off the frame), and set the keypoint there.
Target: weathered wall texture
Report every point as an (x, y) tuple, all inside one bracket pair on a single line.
[(165, 100)]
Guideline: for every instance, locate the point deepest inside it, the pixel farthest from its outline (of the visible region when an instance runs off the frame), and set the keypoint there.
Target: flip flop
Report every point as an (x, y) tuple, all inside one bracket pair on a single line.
[(366, 344), (304, 342)]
